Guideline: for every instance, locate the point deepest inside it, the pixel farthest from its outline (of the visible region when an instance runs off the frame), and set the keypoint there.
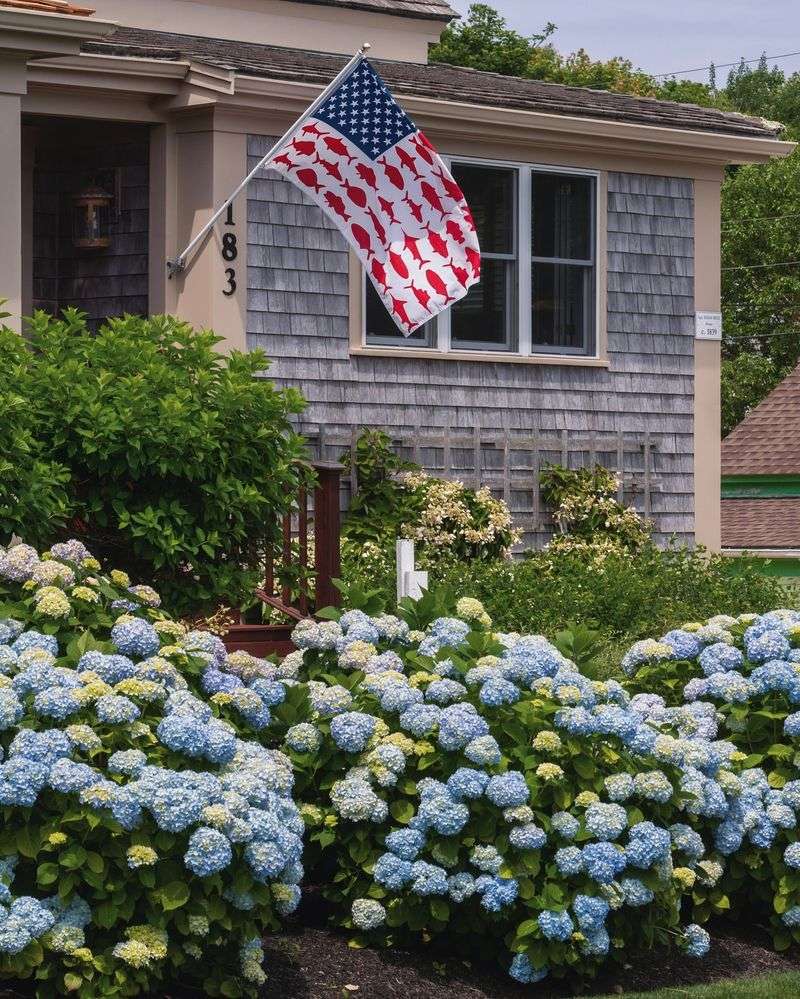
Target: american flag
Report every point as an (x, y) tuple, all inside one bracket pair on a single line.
[(378, 178)]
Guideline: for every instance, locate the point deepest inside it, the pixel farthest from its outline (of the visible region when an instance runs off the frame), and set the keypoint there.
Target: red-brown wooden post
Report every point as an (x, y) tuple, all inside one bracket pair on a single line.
[(327, 529)]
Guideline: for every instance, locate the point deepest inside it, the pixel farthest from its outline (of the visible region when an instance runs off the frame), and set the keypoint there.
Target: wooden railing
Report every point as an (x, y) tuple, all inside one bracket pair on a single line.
[(297, 602), (303, 588)]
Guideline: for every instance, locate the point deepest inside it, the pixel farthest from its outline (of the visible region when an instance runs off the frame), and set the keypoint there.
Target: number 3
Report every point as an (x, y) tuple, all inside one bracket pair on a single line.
[(230, 274)]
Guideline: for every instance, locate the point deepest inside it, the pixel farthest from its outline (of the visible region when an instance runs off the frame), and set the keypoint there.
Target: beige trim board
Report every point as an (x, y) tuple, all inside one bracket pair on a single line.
[(763, 552), (485, 357), (707, 365)]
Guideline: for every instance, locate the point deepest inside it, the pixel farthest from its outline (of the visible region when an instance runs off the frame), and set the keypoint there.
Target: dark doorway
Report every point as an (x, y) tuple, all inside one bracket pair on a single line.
[(72, 157)]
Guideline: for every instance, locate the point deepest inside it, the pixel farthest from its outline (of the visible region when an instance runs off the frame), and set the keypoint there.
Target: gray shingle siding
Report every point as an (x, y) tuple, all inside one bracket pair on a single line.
[(298, 313)]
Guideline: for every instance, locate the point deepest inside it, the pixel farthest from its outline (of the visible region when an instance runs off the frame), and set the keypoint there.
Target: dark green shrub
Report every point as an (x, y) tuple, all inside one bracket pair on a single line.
[(179, 458)]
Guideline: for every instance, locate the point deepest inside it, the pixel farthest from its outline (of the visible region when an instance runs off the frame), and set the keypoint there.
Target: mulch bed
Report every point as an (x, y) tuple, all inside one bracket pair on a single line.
[(311, 961)]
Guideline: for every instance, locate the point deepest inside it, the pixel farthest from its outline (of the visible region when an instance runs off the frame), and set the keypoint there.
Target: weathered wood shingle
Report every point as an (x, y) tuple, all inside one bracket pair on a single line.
[(647, 388)]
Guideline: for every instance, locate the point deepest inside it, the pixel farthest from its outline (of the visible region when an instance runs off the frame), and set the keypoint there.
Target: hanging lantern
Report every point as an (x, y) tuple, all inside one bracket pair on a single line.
[(91, 219)]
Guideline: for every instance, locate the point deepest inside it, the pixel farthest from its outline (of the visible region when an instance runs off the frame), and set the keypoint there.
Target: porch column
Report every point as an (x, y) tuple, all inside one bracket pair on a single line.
[(212, 292), (707, 364), (12, 87)]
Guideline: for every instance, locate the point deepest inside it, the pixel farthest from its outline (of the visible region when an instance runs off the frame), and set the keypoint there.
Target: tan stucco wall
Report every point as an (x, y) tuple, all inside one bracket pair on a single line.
[(278, 22)]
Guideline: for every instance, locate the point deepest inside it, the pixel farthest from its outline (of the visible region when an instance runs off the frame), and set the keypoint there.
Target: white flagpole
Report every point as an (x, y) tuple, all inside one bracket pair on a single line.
[(178, 263)]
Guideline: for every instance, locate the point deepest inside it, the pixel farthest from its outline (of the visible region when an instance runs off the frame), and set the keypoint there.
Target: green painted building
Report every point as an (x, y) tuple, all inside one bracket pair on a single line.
[(761, 481)]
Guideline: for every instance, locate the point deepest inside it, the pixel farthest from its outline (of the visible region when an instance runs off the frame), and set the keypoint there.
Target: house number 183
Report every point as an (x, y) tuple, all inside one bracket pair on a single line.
[(230, 251)]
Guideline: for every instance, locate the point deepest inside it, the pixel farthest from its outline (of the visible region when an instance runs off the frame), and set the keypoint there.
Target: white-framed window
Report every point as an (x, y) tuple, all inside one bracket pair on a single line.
[(538, 232)]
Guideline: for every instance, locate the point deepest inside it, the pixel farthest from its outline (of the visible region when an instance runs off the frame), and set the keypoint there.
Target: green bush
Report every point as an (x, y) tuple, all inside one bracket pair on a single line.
[(464, 784), (32, 484), (450, 523), (588, 514), (144, 839), (739, 678), (624, 596), (179, 459)]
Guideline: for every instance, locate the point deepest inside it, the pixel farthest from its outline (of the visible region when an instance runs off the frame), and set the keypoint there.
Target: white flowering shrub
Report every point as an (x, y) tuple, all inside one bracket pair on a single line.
[(741, 675), (143, 837), (458, 782)]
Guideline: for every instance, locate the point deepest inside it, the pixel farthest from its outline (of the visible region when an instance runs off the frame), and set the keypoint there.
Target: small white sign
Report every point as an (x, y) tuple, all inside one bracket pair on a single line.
[(708, 325)]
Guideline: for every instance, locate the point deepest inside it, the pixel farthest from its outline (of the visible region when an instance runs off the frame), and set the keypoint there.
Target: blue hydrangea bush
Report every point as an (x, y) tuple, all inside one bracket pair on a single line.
[(146, 835), (461, 783), (741, 676)]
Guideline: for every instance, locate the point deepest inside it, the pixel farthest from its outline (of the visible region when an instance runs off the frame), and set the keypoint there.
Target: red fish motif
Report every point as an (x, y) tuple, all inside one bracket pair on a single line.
[(388, 208), (431, 197), (335, 203), (336, 145), (413, 249), (408, 163), (380, 232), (367, 174), (438, 245), (474, 259), (303, 148), (307, 177), (331, 167), (438, 285), (285, 160), (399, 309), (356, 194), (379, 273), (451, 188), (394, 176), (414, 208), (422, 149), (454, 231), (460, 274), (312, 129), (469, 219), (398, 264), (422, 296), (363, 239)]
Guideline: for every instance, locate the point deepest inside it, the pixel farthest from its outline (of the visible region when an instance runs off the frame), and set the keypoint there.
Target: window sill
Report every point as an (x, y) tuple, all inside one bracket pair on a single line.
[(502, 357)]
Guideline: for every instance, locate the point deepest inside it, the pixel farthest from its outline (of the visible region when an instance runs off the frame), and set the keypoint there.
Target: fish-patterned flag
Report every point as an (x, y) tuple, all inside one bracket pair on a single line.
[(374, 173)]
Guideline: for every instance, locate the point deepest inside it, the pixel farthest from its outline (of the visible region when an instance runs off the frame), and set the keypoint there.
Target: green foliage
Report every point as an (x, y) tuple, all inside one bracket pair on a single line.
[(86, 846), (585, 507), (755, 694), (32, 485), (625, 597), (179, 459), (747, 378), (562, 773), (449, 522)]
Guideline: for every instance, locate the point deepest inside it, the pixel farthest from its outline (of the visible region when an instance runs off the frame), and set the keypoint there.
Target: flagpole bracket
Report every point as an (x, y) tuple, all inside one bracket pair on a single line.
[(176, 266)]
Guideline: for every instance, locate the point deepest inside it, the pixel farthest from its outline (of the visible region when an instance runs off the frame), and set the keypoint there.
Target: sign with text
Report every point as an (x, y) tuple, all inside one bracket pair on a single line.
[(708, 325)]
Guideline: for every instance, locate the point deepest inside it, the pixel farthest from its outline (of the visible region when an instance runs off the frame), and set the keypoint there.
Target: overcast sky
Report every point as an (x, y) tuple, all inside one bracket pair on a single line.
[(667, 35)]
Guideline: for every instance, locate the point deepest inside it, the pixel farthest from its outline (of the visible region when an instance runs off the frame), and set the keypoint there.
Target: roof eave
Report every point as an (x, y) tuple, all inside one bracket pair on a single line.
[(576, 131)]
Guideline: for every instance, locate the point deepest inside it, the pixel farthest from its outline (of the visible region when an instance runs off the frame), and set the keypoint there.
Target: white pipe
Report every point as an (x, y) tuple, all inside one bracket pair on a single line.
[(178, 263)]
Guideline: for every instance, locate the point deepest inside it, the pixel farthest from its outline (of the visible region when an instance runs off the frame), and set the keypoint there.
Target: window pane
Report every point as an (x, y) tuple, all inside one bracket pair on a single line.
[(483, 316), (562, 296), (562, 216), (381, 326), (490, 196)]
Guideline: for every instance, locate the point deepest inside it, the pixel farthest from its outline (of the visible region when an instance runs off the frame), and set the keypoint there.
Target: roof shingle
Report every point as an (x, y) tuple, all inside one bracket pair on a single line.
[(437, 10), (767, 441), (761, 523), (435, 80), (48, 6)]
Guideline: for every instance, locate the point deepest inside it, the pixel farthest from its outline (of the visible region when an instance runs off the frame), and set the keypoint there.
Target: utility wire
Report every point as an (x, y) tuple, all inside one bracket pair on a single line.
[(760, 218), (761, 336), (754, 267), (725, 65)]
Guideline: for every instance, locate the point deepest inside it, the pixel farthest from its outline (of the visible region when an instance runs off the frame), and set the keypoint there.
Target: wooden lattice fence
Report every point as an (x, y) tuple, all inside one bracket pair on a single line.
[(509, 463)]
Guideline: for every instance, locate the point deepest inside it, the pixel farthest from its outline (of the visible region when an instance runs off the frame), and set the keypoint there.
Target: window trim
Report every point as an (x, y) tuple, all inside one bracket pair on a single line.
[(441, 346)]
